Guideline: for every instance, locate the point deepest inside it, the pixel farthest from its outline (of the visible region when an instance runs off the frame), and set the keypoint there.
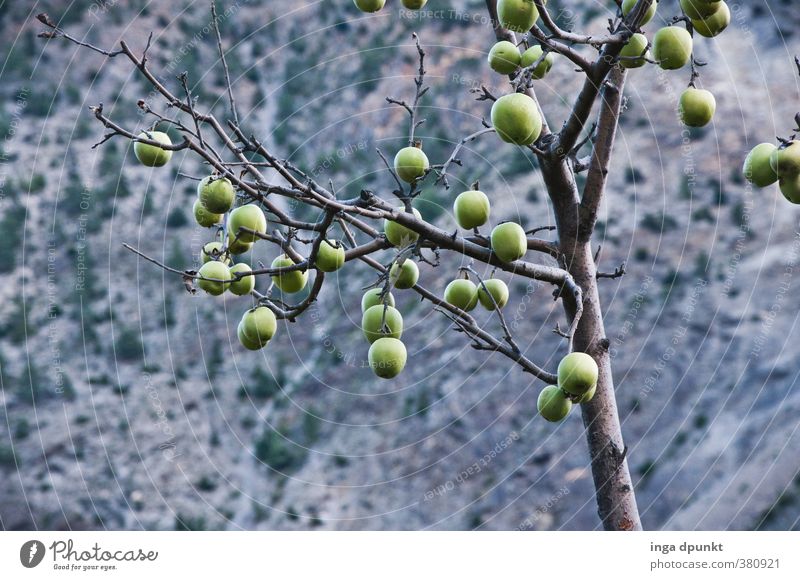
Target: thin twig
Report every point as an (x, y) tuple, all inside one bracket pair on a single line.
[(231, 98)]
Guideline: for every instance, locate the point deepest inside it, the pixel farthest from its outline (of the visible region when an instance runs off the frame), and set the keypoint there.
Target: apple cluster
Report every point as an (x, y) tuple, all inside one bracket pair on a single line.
[(245, 224), (505, 58), (672, 49), (767, 164), (577, 383), (382, 323)]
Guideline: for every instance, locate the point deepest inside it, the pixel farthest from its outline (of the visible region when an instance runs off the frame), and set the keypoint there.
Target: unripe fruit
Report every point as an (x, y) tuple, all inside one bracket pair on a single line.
[(217, 271), (247, 216), (373, 298), (369, 5), (790, 187), (517, 15), (697, 9), (553, 404), (471, 209), (532, 55), (462, 294), (757, 169), (516, 119), (203, 217), (504, 57), (289, 282), (414, 4), (786, 161), (244, 285), (387, 357), (509, 242), (672, 47), (398, 235), (259, 324), (628, 5), (213, 251), (410, 164), (587, 396), (238, 246), (151, 155), (246, 342), (405, 276), (216, 195), (635, 47), (711, 26), (577, 373), (373, 322), (330, 256), (697, 107), (497, 291)]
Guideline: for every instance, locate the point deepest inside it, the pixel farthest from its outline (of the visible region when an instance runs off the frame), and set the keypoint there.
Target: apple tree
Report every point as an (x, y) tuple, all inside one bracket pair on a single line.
[(239, 203)]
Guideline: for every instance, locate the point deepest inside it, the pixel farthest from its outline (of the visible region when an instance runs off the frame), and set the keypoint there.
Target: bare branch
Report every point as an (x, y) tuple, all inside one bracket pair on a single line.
[(57, 32), (231, 98), (619, 272), (442, 173)]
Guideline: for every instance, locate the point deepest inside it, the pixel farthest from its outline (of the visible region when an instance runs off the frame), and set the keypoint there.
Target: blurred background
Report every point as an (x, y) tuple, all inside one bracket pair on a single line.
[(127, 403)]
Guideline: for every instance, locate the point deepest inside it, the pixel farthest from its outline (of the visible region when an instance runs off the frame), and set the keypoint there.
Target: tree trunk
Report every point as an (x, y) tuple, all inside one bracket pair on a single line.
[(616, 502)]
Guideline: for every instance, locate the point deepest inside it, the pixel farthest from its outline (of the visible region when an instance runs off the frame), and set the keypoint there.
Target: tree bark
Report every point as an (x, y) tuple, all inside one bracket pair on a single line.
[(616, 502)]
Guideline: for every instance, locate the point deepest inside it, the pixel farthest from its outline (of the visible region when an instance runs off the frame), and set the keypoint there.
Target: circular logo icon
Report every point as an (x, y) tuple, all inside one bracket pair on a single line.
[(31, 553)]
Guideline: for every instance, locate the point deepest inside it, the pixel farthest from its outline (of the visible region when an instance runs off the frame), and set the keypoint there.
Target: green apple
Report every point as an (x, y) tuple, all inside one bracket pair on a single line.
[(696, 9), (398, 235), (517, 15), (577, 373), (497, 294), (553, 404), (216, 194), (369, 5), (289, 282), (462, 294), (471, 209), (634, 48), (259, 324), (516, 119), (215, 271), (247, 216), (213, 251), (587, 396), (387, 357), (712, 25), (504, 57), (509, 241), (151, 155), (672, 47), (330, 256), (414, 4), (246, 342), (405, 276), (243, 285), (375, 325), (790, 187), (531, 56), (697, 107), (373, 298), (203, 217), (785, 161), (757, 169), (237, 247), (410, 164), (627, 6)]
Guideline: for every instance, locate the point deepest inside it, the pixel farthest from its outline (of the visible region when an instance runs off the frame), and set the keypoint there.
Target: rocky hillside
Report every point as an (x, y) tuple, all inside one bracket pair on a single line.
[(127, 403)]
